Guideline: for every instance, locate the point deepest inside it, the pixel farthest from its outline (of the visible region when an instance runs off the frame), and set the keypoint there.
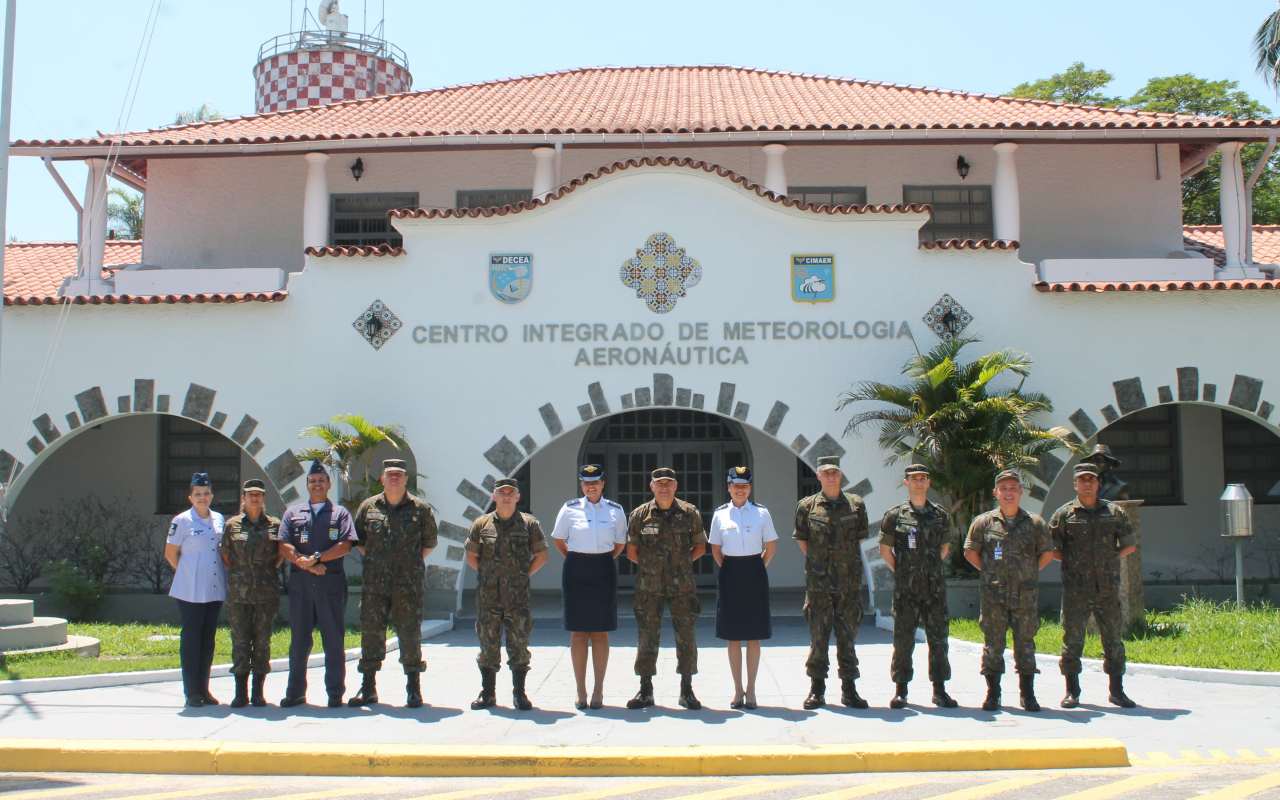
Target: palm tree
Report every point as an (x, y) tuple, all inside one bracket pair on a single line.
[(949, 418), (205, 113), (1266, 46), (126, 217), (349, 452)]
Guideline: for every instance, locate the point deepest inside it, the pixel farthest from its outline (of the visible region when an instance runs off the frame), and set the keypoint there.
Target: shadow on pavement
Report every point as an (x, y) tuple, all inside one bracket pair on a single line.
[(537, 716)]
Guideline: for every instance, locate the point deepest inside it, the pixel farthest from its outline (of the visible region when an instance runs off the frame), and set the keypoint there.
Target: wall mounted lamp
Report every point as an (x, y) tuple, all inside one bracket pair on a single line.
[(962, 167), (357, 169)]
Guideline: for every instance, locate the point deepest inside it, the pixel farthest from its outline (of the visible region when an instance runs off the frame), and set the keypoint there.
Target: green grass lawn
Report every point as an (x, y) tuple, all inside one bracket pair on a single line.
[(1199, 633), (125, 649)]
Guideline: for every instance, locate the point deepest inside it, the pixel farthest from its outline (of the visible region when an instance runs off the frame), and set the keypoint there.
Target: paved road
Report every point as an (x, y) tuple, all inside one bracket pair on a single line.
[(1170, 782), (1174, 715)]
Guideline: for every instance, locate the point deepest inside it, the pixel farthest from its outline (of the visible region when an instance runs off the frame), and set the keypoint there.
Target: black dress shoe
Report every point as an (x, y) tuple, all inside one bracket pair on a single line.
[(738, 704), (209, 700), (195, 701), (290, 702), (336, 702)]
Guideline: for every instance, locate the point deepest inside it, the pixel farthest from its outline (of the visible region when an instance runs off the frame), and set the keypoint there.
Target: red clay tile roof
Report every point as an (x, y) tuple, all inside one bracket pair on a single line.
[(1155, 286), (655, 99), (375, 250), (148, 300), (37, 269), (1208, 240), (972, 244)]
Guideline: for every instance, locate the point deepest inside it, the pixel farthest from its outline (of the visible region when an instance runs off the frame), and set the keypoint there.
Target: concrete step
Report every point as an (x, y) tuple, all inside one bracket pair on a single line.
[(40, 632), (17, 612)]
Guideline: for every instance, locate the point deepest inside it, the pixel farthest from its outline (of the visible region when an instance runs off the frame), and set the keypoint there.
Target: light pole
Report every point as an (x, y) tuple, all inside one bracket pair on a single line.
[(1237, 524), (6, 115)]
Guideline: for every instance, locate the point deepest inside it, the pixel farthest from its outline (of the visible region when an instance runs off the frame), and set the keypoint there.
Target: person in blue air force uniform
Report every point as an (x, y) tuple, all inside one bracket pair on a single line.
[(199, 586)]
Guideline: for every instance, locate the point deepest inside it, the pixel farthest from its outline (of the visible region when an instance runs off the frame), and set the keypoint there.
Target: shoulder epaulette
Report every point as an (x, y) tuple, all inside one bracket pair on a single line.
[(574, 502), (615, 505), (757, 505), (726, 505)]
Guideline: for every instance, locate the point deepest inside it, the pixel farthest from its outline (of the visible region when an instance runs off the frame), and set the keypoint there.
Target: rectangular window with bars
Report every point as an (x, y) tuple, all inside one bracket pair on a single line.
[(360, 220), (959, 212), (1150, 452), (187, 447), (1251, 455), (830, 195), (492, 198)]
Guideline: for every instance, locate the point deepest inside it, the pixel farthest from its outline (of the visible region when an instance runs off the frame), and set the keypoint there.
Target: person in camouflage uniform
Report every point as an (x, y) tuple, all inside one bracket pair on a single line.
[(915, 538), (664, 538), (252, 556), (397, 532), (830, 527), (1091, 535), (1009, 547), (505, 547)]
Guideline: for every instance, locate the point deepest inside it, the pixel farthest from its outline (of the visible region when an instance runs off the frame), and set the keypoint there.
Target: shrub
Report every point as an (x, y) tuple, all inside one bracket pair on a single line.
[(78, 590), (28, 541)]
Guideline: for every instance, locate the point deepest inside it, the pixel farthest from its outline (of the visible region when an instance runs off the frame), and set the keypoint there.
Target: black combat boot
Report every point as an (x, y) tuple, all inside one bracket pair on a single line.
[(518, 698), (413, 690), (368, 694), (1027, 689), (900, 699), (1073, 692), (1117, 696), (940, 697), (849, 695), (687, 698), (488, 689), (644, 697), (992, 703), (817, 694), (258, 698), (242, 692)]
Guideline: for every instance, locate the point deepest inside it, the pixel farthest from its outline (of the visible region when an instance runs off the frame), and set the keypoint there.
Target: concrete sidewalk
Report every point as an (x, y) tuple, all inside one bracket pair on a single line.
[(1174, 715)]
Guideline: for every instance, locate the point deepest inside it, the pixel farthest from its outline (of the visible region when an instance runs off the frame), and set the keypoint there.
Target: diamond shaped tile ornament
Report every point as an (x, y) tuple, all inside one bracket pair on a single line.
[(377, 324), (660, 273), (947, 318)]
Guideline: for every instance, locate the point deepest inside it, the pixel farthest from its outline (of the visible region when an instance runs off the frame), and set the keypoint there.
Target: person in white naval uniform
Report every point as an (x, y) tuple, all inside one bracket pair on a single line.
[(590, 532), (199, 586), (743, 540)]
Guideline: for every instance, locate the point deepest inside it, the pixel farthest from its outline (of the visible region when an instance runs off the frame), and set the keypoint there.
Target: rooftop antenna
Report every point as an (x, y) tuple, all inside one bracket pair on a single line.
[(331, 19)]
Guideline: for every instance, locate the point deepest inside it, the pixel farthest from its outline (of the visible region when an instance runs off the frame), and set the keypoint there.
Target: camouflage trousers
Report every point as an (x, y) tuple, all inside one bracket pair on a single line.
[(929, 612), (518, 621), (825, 611), (1076, 608), (996, 620), (251, 625), (401, 606), (685, 609)]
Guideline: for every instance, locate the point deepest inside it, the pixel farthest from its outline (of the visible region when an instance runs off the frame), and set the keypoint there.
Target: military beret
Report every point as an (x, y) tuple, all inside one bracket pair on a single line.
[(1006, 474), (394, 464), (500, 482), (740, 475), (828, 462), (1087, 468), (591, 472), (915, 469), (663, 474), (254, 485), (201, 479), (317, 469)]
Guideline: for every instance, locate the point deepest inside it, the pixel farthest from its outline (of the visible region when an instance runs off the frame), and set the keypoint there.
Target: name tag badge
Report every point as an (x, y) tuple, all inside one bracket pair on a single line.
[(911, 541), (240, 537), (303, 538), (999, 554)]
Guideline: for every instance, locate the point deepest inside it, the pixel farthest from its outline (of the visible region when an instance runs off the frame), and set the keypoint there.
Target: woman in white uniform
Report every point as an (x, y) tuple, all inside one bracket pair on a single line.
[(590, 532), (199, 586), (743, 541)]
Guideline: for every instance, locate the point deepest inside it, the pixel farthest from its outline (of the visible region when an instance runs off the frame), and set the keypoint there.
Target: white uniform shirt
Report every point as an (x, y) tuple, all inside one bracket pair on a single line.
[(591, 527), (201, 576), (741, 531)]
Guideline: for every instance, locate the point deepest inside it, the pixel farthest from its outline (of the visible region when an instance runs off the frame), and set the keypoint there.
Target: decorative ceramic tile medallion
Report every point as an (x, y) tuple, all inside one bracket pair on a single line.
[(947, 318), (511, 276), (813, 278), (377, 324), (660, 273)]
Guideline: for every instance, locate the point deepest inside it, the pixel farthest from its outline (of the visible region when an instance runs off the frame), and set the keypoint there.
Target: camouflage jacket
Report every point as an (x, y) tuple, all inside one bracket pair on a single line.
[(252, 549), (506, 548), (1010, 554), (1090, 540), (393, 538), (833, 531), (664, 540), (916, 538)]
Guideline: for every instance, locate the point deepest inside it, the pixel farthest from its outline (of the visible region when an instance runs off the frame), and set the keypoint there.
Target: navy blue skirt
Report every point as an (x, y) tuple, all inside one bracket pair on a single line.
[(589, 585), (742, 600)]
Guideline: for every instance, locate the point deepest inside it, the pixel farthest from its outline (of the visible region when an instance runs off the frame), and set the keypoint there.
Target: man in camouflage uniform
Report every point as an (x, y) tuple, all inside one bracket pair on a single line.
[(664, 538), (505, 547), (829, 528), (1091, 535), (252, 556), (397, 532), (1009, 547), (915, 538)]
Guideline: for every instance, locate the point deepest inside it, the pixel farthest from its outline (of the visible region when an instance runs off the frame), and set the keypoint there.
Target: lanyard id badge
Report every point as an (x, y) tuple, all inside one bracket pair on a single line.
[(999, 554), (911, 541)]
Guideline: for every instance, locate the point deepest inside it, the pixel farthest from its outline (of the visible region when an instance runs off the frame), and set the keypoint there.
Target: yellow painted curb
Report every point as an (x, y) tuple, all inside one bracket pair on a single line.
[(276, 758)]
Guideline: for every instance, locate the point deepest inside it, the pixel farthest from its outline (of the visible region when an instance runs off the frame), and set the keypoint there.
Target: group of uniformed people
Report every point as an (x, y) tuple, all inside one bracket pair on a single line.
[(235, 561)]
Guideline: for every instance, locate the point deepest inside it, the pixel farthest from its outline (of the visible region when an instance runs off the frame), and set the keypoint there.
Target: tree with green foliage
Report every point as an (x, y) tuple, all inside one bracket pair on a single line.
[(125, 217), (1266, 48), (949, 417), (350, 452), (205, 113), (1077, 84)]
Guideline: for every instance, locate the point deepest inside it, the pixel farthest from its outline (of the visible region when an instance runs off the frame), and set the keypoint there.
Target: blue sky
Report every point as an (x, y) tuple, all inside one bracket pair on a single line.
[(74, 56)]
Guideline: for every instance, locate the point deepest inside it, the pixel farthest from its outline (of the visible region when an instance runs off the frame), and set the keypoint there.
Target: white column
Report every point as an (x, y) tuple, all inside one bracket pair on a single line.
[(93, 222), (1231, 194), (775, 171), (544, 172), (1005, 205), (315, 202)]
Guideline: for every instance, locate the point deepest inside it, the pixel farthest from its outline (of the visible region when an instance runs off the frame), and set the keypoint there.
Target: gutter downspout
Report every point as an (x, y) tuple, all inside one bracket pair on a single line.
[(48, 164), (1248, 195)]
